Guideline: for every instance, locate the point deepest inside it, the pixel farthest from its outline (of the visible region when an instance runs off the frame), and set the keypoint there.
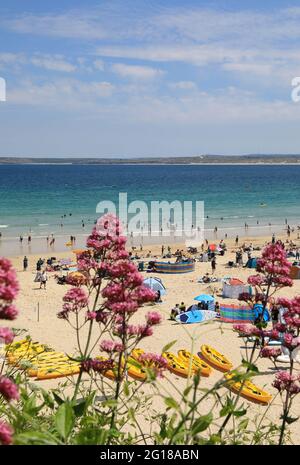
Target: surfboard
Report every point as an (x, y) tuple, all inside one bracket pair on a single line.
[(195, 316)]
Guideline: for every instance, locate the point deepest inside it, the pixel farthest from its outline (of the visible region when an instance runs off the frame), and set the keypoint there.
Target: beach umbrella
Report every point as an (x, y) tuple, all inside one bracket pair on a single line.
[(204, 298), (155, 285)]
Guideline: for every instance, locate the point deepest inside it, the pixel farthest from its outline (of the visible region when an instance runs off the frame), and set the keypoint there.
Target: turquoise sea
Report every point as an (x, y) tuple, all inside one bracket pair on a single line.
[(57, 199)]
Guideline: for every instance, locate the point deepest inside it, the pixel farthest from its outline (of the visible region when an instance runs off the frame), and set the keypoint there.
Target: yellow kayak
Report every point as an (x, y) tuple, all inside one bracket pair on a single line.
[(215, 358), (177, 365), (250, 391), (57, 371), (197, 363), (136, 353)]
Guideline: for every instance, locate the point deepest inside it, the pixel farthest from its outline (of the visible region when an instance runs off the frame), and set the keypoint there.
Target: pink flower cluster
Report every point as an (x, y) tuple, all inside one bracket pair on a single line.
[(99, 366), (9, 286), (75, 300), (247, 329), (274, 265), (9, 289), (6, 335), (8, 389), (270, 352), (111, 346), (6, 433), (140, 331), (286, 382), (156, 362)]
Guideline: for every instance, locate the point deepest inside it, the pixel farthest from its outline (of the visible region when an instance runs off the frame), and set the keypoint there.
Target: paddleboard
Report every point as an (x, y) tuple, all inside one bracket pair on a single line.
[(195, 316)]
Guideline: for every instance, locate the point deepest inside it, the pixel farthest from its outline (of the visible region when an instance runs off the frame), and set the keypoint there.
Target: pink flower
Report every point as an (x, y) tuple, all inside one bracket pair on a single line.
[(9, 286), (286, 382), (6, 433), (63, 315), (247, 329), (155, 362), (153, 318), (8, 312), (75, 299), (256, 280), (270, 352), (91, 315), (8, 389), (111, 346), (6, 335), (99, 366)]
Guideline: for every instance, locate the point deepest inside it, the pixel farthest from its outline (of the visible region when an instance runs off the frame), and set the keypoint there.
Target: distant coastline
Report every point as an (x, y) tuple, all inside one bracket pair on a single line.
[(195, 160)]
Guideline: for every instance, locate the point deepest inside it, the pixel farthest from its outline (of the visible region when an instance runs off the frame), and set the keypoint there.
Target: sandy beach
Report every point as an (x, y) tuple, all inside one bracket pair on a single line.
[(38, 309)]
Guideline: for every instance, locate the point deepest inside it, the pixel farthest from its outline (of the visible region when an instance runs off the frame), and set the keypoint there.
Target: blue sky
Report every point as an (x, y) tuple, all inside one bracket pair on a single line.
[(149, 78)]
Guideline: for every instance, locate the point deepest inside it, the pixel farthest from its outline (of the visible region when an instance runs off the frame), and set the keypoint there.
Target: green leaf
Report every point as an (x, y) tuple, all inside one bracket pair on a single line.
[(239, 413), (202, 423), (171, 403), (126, 389), (64, 420), (35, 438), (168, 346), (227, 408), (250, 366), (243, 424), (290, 420), (81, 405), (58, 399)]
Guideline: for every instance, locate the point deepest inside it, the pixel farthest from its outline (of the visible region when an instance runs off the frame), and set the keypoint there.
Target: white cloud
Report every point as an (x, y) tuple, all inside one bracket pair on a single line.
[(63, 93), (53, 63), (183, 85), (98, 64), (135, 71)]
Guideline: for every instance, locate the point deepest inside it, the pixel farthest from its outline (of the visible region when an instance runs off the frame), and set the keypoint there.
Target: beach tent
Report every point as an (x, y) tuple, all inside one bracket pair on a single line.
[(206, 299), (236, 313), (233, 287), (295, 272), (251, 263), (155, 285)]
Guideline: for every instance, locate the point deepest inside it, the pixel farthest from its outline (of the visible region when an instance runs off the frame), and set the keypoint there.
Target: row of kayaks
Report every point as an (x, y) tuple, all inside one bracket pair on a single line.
[(42, 362)]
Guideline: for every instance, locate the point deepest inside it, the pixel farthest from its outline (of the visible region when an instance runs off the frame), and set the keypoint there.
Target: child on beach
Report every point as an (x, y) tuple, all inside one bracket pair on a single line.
[(43, 280)]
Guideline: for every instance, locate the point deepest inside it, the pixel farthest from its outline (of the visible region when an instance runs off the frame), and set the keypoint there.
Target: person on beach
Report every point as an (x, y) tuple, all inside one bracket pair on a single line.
[(182, 307), (213, 265), (25, 263), (43, 280), (39, 264), (29, 239), (237, 240), (21, 239), (174, 312), (297, 254)]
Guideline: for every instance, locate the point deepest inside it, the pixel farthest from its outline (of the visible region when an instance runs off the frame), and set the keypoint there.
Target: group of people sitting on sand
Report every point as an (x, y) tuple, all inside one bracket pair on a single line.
[(179, 309)]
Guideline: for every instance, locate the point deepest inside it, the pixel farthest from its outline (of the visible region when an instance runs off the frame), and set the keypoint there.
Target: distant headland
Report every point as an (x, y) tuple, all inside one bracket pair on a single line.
[(169, 160)]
